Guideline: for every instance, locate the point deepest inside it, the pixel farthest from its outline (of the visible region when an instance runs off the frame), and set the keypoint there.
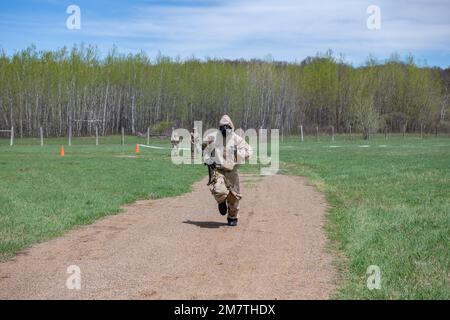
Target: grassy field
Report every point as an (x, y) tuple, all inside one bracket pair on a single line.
[(390, 200), (42, 194), (390, 207)]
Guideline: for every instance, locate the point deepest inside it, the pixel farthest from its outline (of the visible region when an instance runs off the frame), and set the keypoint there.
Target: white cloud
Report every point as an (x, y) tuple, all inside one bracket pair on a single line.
[(287, 29)]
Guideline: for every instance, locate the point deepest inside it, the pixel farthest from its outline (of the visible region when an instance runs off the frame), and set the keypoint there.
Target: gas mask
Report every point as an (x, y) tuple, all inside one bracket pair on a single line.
[(225, 130)]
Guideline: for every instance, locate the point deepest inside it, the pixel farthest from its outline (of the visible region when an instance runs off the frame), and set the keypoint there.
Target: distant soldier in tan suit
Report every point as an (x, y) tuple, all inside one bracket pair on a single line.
[(175, 139), (226, 150), (196, 144)]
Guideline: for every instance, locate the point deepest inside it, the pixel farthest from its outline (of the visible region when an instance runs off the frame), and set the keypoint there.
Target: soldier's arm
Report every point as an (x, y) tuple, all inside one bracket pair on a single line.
[(207, 141), (243, 150)]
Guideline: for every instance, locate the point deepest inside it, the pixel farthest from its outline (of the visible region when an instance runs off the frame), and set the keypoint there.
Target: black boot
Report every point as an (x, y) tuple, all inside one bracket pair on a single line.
[(223, 208), (232, 222)]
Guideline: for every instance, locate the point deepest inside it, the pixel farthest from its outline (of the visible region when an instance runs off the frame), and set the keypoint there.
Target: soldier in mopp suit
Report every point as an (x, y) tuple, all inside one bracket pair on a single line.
[(226, 150)]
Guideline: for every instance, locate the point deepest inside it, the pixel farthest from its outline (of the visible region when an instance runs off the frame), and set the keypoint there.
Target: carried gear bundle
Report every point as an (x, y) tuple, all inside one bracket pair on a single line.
[(216, 181)]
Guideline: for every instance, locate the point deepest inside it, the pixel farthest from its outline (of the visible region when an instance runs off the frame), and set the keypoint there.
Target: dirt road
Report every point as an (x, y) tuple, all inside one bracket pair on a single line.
[(181, 248)]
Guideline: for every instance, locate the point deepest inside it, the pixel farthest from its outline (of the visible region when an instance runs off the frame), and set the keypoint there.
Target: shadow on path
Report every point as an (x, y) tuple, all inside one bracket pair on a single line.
[(206, 224)]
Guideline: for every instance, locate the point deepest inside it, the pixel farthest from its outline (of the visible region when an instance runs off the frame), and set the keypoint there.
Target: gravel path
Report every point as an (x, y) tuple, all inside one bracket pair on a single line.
[(181, 248)]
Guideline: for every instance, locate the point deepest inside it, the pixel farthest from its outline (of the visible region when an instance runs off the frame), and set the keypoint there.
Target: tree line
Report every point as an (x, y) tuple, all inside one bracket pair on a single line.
[(66, 88)]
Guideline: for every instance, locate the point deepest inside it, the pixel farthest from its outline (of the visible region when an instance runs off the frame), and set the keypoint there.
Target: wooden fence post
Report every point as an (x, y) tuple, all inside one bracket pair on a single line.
[(11, 143), (42, 136), (70, 135), (123, 137), (301, 132)]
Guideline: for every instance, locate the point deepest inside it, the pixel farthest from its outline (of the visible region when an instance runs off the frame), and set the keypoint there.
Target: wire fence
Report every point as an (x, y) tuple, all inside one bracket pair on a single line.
[(307, 133)]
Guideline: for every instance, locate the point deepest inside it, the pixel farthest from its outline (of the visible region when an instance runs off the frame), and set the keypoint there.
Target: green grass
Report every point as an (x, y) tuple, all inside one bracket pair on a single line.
[(390, 202), (390, 207), (42, 195)]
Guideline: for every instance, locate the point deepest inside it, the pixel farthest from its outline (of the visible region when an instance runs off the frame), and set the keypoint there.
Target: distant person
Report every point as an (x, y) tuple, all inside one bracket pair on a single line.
[(175, 139), (196, 145), (225, 150)]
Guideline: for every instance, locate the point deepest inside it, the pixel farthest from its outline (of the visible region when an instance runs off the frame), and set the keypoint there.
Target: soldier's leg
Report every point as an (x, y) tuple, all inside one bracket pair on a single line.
[(220, 192), (233, 206)]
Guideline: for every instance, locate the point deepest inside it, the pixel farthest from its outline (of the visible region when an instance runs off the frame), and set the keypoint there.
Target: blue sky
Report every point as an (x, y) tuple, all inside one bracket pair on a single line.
[(285, 29)]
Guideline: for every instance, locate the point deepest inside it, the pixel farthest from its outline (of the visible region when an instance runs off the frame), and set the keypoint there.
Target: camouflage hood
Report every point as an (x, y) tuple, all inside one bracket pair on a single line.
[(226, 120)]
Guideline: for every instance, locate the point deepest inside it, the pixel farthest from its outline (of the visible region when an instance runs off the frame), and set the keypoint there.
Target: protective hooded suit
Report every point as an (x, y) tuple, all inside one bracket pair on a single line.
[(227, 150)]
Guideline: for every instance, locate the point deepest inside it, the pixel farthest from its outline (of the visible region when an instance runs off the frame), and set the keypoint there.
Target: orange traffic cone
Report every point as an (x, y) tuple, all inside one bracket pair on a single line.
[(137, 148), (61, 151)]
